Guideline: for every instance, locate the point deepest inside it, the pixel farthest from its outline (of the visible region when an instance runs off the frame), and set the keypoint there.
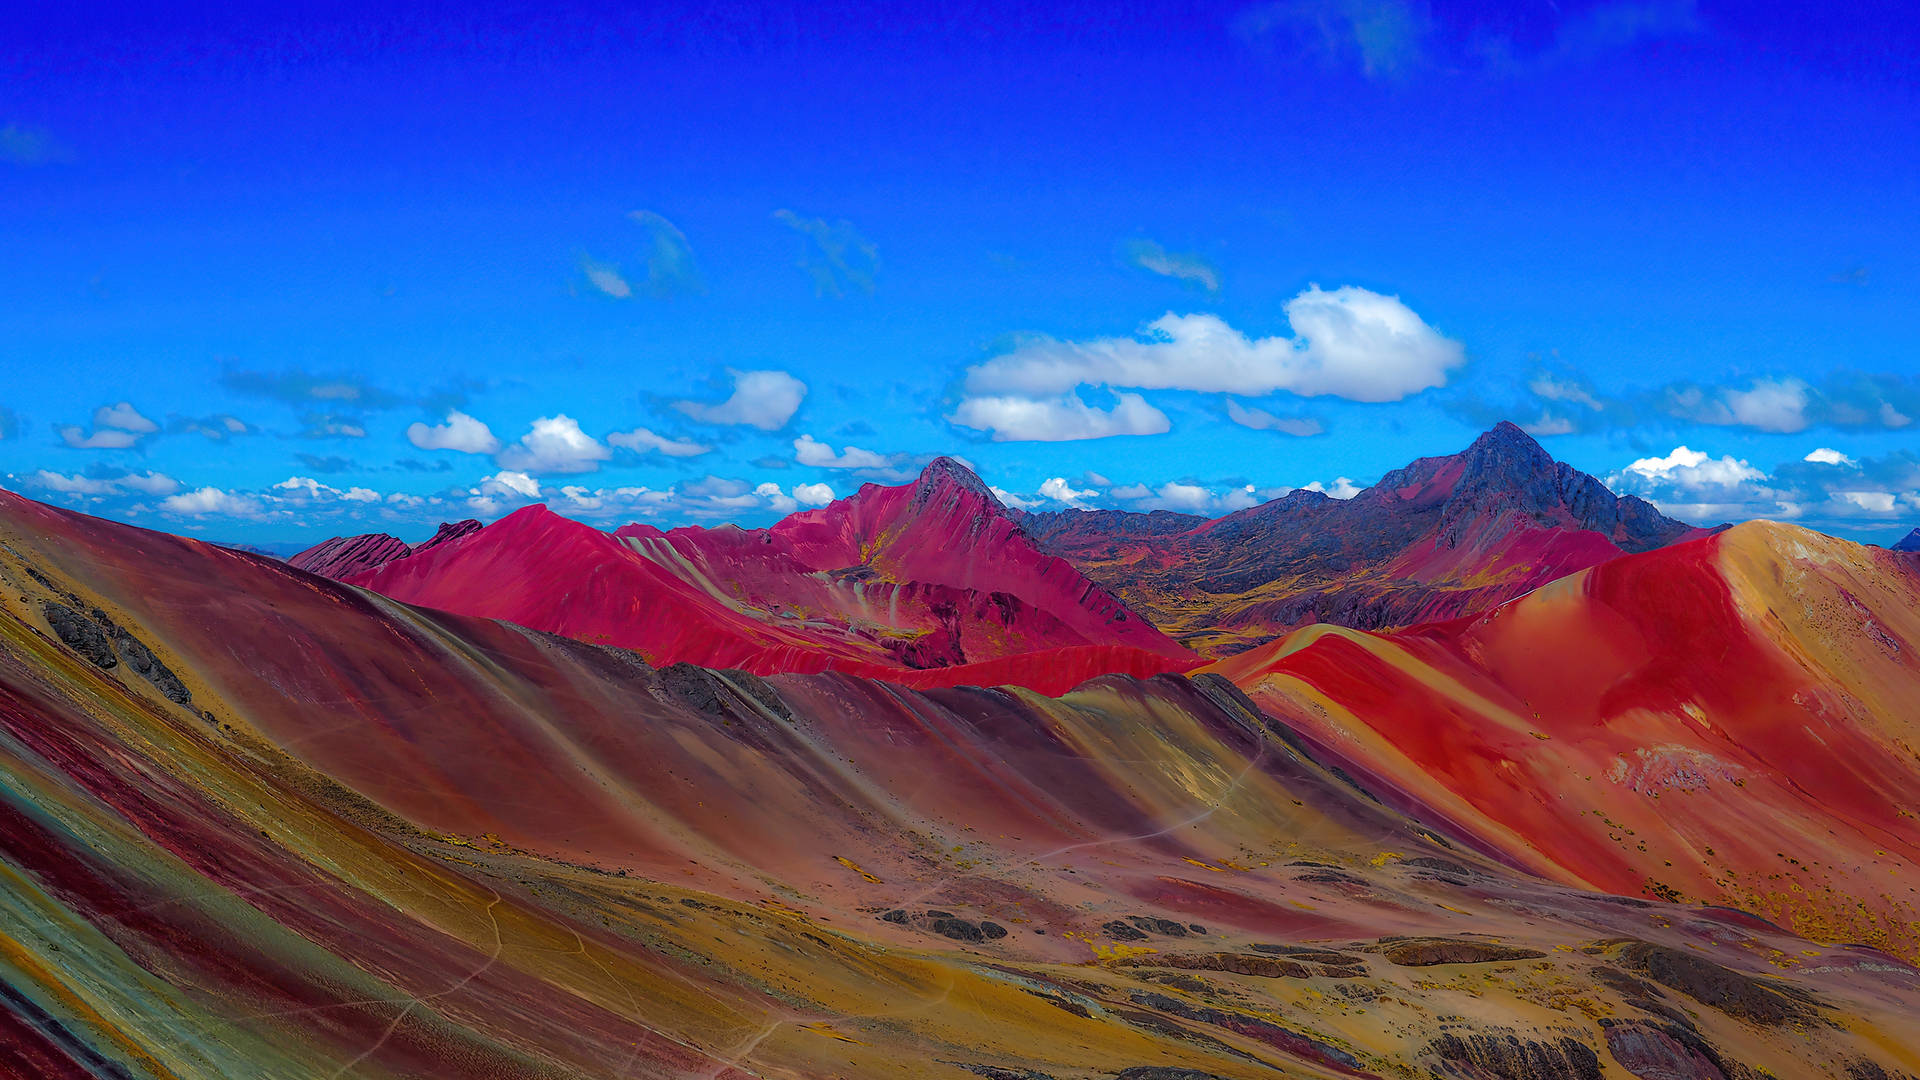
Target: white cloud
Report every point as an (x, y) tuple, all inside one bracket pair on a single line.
[(461, 432), (1694, 468), (1774, 405), (1341, 488), (125, 417), (1059, 419), (1188, 498), (809, 451), (76, 484), (208, 501), (1017, 502), (1827, 456), (315, 490), (555, 444), (147, 483), (1348, 342), (1060, 491), (641, 440), (777, 501), (100, 439), (1874, 502), (813, 494), (762, 399), (508, 482), (1262, 420)]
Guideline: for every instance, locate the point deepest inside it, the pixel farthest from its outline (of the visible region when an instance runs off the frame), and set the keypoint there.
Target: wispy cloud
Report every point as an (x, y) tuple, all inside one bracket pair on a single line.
[(1181, 266), (834, 254), (1395, 40), (22, 145)]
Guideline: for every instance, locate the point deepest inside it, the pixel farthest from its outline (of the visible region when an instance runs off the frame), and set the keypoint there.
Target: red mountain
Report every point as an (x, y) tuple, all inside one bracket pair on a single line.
[(932, 574), (1442, 537), (344, 556)]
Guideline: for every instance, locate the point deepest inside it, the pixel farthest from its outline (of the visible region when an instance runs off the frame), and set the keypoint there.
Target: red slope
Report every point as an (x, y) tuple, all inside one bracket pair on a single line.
[(1727, 719), (930, 575)]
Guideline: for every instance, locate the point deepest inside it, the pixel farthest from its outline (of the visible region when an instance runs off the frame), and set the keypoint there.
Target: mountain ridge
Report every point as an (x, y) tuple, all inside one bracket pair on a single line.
[(1434, 539)]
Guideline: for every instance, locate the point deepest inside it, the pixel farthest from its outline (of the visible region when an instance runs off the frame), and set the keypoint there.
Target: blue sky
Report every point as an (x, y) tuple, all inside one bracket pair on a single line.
[(274, 276)]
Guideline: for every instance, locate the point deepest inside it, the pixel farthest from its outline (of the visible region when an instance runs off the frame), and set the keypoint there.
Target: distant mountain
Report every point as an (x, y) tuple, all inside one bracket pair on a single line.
[(344, 556), (932, 574), (1909, 542), (1441, 537)]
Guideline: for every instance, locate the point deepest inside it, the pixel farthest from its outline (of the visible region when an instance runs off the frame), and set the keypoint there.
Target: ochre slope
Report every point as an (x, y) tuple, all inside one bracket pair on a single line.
[(1728, 720), (293, 829)]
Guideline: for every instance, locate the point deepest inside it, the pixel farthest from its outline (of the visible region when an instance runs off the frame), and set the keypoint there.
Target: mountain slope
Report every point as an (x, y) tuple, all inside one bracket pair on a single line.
[(1727, 720), (1439, 538), (926, 575), (340, 835)]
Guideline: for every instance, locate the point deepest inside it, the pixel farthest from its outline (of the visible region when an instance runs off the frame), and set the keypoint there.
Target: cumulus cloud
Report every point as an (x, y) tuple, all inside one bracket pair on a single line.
[(1341, 488), (555, 444), (809, 451), (1347, 342), (776, 500), (1827, 456), (1188, 268), (314, 490), (640, 440), (1262, 420), (833, 254), (461, 432), (1014, 418), (212, 502), (1695, 468), (125, 417), (502, 489), (813, 494), (1060, 491), (1189, 498), (761, 399), (115, 427)]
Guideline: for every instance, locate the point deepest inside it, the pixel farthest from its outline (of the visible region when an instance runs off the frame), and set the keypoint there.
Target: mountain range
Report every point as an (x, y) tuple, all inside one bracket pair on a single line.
[(477, 810), (1442, 537)]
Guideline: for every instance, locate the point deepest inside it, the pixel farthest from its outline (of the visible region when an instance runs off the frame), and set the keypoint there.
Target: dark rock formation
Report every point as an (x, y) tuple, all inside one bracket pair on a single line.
[(1732, 992), (80, 634), (1429, 952), (1509, 1057)]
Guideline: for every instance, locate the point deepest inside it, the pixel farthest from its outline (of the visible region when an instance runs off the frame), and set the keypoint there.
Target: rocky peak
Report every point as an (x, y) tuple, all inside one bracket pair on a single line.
[(945, 480), (1910, 543)]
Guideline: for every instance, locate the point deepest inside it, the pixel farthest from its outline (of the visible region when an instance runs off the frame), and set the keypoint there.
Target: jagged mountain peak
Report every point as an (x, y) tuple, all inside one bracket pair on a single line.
[(947, 472)]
